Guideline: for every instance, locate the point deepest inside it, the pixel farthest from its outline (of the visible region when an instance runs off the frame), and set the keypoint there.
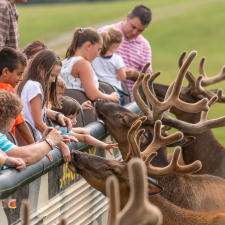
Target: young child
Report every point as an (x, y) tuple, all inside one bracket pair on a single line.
[(109, 67), (70, 108), (33, 48), (37, 89), (77, 71), (12, 155), (60, 89), (12, 65)]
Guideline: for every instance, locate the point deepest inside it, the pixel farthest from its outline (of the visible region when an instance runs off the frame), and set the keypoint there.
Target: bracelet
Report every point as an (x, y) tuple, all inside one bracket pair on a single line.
[(49, 142), (57, 117)]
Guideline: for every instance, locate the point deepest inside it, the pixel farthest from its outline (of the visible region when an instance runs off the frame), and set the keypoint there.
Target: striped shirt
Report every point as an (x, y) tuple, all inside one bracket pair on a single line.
[(135, 53), (5, 144), (9, 35)]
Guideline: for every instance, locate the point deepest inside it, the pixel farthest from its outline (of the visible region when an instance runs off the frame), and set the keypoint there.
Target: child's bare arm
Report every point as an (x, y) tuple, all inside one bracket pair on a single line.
[(80, 130), (95, 142)]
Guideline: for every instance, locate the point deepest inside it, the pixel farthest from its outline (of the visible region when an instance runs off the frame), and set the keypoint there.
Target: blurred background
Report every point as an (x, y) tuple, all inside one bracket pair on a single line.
[(177, 26)]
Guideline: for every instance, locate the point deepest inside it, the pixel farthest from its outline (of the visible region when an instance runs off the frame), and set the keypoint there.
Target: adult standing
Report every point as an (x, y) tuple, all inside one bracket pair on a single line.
[(135, 49), (9, 35)]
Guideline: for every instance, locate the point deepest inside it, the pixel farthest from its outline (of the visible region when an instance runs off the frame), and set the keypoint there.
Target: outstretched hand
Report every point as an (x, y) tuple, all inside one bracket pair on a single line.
[(87, 105), (110, 146)]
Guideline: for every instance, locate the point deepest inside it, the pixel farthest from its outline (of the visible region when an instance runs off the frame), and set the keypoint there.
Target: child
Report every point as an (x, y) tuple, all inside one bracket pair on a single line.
[(12, 65), (10, 107), (33, 48), (37, 89), (109, 67), (60, 89), (77, 71), (70, 108)]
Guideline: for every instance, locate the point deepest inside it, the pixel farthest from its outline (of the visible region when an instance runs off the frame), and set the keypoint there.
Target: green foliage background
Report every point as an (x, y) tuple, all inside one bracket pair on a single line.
[(177, 26)]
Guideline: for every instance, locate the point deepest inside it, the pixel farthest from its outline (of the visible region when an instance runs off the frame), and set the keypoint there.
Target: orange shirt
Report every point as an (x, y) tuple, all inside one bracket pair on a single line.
[(19, 119)]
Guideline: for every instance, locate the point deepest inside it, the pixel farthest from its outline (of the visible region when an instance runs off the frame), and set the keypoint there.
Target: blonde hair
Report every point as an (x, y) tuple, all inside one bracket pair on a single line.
[(60, 83), (110, 36)]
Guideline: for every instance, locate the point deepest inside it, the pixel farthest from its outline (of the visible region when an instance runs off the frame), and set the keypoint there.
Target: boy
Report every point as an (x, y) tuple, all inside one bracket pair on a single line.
[(12, 65)]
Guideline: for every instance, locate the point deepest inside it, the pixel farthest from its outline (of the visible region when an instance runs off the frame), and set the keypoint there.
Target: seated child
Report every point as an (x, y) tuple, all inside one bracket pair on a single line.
[(109, 66), (70, 108)]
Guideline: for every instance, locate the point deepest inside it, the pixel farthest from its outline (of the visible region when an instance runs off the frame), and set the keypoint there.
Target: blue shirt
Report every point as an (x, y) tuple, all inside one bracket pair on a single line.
[(63, 130), (5, 144)]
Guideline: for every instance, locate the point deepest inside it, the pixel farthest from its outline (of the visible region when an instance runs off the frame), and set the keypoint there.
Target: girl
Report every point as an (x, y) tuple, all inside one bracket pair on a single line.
[(37, 89), (109, 67), (70, 108), (76, 68)]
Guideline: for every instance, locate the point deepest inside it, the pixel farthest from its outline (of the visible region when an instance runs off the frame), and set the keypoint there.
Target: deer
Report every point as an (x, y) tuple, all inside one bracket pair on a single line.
[(205, 147), (195, 192), (172, 214), (123, 118), (138, 209)]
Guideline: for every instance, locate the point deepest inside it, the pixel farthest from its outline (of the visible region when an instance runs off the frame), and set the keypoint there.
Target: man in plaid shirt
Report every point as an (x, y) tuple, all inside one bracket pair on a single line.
[(9, 35)]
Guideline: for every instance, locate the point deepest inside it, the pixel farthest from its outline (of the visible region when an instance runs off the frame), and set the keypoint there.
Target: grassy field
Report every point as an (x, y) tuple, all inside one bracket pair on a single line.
[(177, 26)]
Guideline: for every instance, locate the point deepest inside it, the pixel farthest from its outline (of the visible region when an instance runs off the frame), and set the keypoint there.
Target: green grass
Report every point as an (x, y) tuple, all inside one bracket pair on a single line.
[(177, 26)]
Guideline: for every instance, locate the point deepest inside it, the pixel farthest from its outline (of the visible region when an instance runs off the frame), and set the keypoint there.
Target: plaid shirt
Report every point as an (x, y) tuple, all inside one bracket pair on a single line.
[(9, 35)]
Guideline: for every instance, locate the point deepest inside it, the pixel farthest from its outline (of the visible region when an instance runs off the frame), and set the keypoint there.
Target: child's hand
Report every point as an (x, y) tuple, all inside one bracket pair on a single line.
[(65, 151), (87, 105), (109, 146), (15, 162)]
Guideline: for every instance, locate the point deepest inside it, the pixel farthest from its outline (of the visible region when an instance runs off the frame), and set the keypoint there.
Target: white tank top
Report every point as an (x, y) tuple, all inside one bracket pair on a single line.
[(66, 73)]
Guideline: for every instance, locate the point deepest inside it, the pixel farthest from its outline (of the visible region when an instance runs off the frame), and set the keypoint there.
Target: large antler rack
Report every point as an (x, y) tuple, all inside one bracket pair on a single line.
[(158, 142), (158, 112), (172, 96)]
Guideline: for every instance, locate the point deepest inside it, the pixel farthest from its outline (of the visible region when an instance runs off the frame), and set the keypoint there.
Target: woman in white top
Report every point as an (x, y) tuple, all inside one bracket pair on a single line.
[(109, 67), (77, 70), (36, 90)]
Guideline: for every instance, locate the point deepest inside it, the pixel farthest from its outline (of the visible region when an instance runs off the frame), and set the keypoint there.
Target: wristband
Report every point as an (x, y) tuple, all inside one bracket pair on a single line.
[(49, 142), (57, 117)]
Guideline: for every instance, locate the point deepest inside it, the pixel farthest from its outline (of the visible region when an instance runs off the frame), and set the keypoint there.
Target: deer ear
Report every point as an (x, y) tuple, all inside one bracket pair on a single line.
[(153, 187), (188, 140)]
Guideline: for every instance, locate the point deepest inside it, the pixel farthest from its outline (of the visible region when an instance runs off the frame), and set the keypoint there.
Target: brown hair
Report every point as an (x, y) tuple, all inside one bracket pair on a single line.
[(10, 107), (143, 13), (33, 48), (69, 106), (80, 36), (11, 58), (110, 36), (45, 60)]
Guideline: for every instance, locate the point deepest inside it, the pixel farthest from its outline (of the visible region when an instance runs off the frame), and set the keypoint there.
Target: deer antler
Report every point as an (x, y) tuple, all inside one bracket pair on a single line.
[(133, 137), (195, 86), (210, 80), (112, 192), (172, 98), (159, 141), (138, 209), (63, 222), (26, 212), (173, 167)]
